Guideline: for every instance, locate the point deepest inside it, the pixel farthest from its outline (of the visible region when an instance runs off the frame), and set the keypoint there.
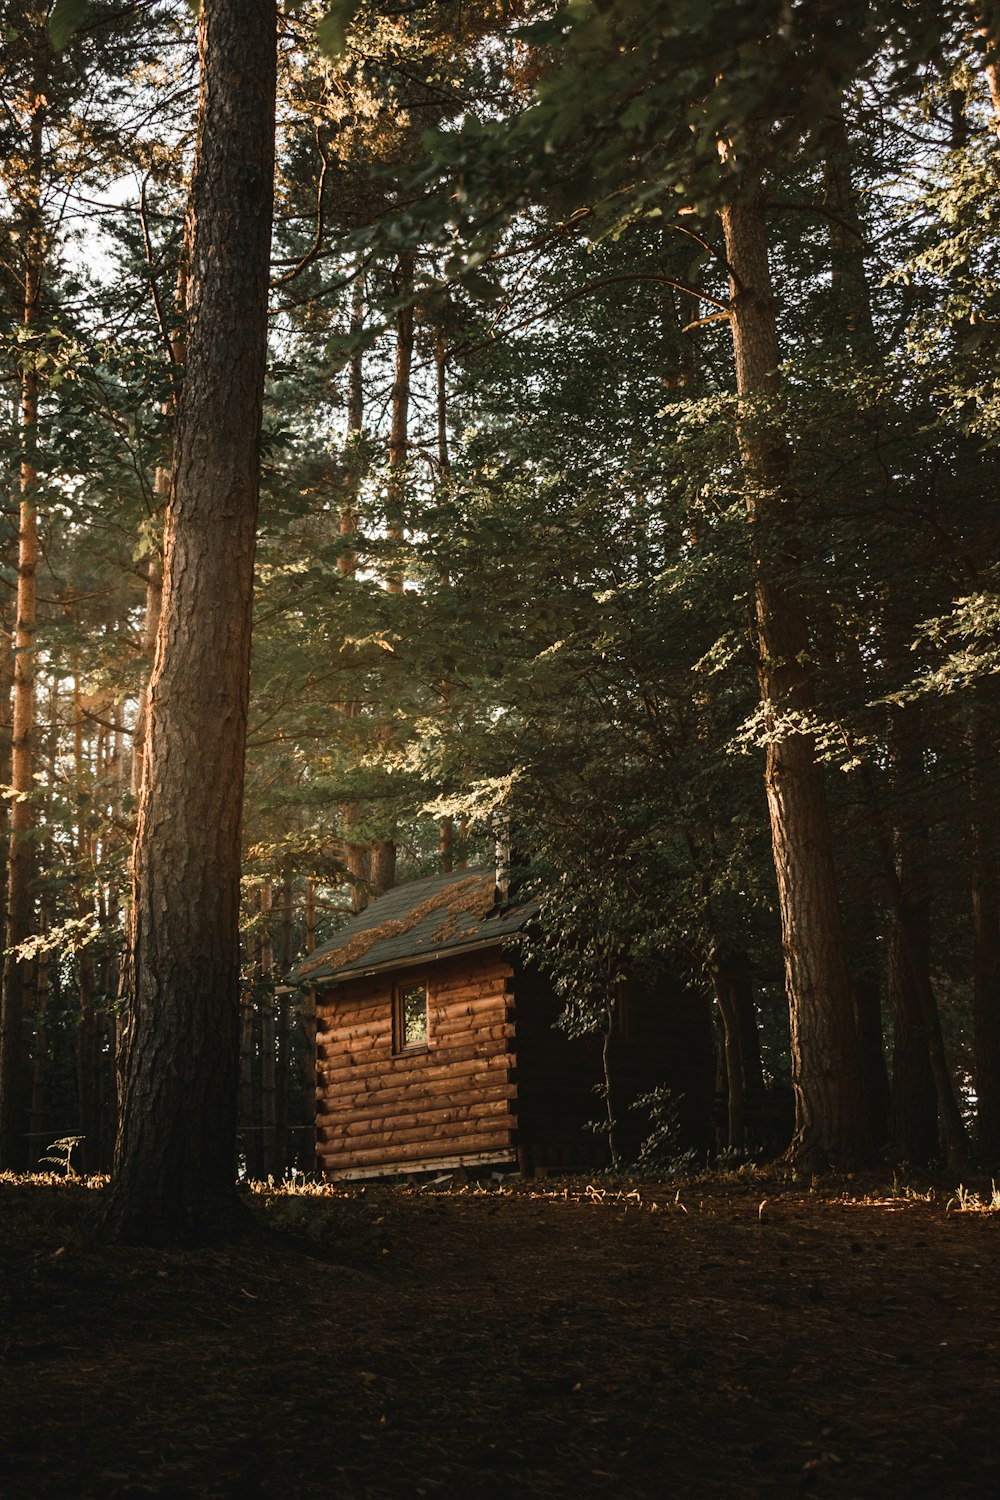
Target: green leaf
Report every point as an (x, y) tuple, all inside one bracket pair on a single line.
[(331, 29), (66, 17)]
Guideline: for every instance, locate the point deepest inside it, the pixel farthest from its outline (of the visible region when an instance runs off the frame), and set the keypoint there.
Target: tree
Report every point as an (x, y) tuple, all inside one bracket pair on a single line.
[(175, 1159)]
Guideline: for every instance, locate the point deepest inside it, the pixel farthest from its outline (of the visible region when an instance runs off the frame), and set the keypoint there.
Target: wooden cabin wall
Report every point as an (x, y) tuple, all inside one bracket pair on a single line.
[(453, 1098)]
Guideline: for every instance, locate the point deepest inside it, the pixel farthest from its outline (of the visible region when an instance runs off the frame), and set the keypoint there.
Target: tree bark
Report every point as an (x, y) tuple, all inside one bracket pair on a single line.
[(281, 1036), (826, 1056), (21, 860), (88, 1039), (267, 1058), (175, 1158)]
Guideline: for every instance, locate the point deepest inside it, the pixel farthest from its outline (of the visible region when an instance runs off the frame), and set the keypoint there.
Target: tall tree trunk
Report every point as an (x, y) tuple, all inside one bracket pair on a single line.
[(382, 874), (154, 567), (6, 745), (914, 1134), (399, 430), (281, 1035), (830, 1124), (40, 1058), (356, 853), (87, 1048), (446, 825), (248, 1114), (732, 1052), (267, 1058), (175, 1158), (985, 778), (21, 862), (309, 1039)]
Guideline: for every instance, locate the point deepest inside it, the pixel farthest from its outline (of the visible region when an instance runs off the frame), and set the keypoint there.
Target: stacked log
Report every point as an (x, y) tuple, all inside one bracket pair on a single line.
[(456, 1097)]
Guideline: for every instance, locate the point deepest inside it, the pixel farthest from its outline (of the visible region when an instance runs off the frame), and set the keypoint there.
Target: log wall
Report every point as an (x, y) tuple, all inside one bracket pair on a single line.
[(497, 1080), (454, 1098)]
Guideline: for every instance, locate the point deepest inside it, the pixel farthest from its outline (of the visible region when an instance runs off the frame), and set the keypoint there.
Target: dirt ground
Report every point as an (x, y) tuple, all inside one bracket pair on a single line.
[(735, 1337)]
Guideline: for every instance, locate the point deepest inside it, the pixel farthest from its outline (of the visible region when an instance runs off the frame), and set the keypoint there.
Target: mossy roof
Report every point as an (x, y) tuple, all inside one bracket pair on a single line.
[(425, 919)]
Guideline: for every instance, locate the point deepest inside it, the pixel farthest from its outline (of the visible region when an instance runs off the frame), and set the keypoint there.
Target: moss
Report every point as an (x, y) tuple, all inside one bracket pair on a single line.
[(471, 899)]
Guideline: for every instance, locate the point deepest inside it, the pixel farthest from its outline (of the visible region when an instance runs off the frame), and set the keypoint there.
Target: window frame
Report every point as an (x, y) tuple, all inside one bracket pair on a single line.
[(400, 1048)]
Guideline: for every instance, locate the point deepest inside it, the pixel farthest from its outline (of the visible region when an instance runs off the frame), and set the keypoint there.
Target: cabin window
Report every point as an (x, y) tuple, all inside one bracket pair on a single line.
[(410, 1018)]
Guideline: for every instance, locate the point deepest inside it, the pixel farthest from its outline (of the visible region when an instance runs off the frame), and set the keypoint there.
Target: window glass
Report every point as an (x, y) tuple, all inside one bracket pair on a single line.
[(413, 1016)]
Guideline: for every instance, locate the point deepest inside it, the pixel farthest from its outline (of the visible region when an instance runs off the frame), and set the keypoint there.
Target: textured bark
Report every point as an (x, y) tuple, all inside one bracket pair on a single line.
[(154, 568), (21, 859), (825, 1047), (383, 866), (175, 1159)]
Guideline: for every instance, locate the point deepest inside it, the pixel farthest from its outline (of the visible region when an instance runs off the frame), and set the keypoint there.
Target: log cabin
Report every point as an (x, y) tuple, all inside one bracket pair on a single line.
[(437, 1047)]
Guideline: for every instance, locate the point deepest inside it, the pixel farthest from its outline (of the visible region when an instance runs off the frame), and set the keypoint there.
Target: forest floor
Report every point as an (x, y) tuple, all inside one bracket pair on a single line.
[(738, 1336)]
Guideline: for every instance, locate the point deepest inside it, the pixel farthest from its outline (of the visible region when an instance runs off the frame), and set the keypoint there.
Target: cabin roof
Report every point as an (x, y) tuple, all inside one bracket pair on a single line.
[(417, 922)]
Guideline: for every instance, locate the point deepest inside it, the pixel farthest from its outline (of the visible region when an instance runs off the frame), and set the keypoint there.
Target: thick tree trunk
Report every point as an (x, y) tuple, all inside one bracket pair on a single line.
[(383, 866), (175, 1159), (826, 1056)]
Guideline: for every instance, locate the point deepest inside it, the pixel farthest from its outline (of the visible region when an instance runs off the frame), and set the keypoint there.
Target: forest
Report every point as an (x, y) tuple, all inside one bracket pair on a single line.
[(595, 425)]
